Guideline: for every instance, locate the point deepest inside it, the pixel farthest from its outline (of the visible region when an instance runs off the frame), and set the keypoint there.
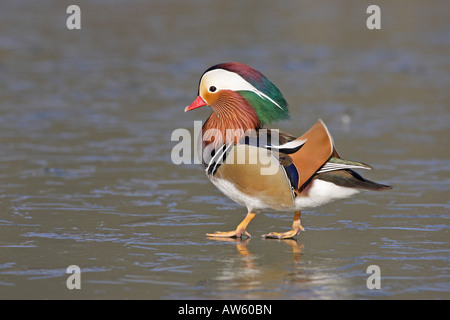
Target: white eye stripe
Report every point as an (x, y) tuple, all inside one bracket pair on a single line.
[(227, 80)]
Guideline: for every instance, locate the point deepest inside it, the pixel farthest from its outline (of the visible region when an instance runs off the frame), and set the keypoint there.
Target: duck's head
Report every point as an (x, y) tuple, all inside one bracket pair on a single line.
[(236, 89)]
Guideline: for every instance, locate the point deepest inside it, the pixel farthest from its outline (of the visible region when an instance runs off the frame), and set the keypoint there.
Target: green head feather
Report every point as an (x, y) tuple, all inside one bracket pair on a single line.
[(266, 110), (267, 100)]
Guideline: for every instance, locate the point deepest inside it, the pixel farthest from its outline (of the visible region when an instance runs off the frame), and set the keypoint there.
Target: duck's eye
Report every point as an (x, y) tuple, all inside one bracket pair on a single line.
[(212, 89)]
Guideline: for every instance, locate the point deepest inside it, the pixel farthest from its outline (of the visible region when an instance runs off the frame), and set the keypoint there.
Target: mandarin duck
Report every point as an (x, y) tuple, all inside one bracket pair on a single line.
[(266, 169)]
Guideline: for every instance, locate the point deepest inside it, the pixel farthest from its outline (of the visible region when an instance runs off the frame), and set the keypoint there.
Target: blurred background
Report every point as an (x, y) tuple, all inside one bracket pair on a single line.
[(86, 177)]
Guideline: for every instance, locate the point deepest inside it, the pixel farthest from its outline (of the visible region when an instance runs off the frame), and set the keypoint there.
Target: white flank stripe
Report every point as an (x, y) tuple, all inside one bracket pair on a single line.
[(289, 145)]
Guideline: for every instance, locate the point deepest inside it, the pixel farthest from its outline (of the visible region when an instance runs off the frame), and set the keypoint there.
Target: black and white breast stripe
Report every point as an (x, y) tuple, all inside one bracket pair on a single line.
[(219, 157)]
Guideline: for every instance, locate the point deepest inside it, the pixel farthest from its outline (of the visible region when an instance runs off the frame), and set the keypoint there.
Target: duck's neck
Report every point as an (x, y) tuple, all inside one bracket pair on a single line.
[(229, 123)]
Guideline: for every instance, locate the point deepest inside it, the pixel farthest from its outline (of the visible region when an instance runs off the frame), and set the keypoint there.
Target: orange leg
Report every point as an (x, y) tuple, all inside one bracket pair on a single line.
[(240, 229), (296, 227)]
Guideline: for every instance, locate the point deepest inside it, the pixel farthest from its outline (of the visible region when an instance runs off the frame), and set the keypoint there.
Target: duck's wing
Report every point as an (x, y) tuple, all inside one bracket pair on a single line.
[(334, 164), (301, 157), (313, 154), (350, 179)]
